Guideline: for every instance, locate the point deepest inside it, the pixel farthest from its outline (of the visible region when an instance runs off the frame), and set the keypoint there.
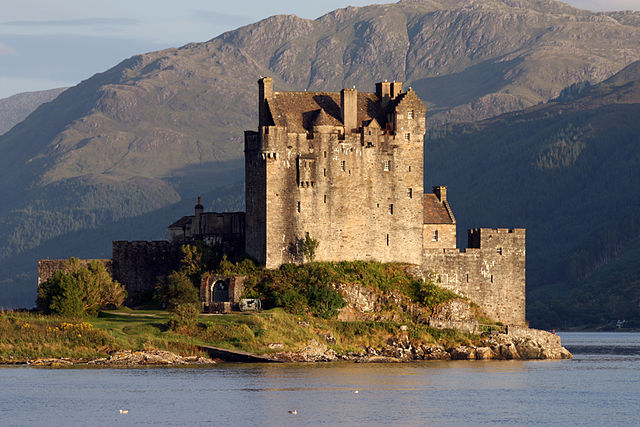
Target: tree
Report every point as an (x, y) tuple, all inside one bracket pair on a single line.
[(308, 247), (80, 290)]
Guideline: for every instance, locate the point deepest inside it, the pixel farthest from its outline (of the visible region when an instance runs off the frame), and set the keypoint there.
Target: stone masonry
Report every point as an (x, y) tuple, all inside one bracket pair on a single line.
[(344, 167)]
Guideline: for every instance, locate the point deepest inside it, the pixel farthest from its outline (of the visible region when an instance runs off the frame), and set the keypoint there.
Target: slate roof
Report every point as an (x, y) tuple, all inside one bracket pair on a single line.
[(185, 220), (298, 111), (435, 211)]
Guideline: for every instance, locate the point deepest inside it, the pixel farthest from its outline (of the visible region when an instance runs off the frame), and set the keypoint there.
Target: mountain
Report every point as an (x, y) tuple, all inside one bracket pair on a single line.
[(569, 171), (15, 108), (160, 128)]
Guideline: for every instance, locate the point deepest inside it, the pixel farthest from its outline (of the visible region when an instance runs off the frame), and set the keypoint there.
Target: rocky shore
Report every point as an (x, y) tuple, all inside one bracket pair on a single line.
[(126, 358), (519, 343)]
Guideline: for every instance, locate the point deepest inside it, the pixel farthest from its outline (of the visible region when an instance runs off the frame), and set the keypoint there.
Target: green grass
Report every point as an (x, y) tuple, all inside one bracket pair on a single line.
[(25, 336)]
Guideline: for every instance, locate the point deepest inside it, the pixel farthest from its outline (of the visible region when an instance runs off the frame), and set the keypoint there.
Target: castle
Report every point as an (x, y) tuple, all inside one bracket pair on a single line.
[(347, 169)]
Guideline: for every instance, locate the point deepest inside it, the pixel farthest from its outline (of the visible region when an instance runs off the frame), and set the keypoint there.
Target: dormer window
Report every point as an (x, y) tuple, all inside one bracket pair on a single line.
[(410, 114), (407, 136), (386, 165)]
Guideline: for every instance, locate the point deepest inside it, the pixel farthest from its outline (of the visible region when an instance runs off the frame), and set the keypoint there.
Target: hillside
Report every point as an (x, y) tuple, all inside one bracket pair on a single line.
[(16, 108), (569, 171), (159, 128)]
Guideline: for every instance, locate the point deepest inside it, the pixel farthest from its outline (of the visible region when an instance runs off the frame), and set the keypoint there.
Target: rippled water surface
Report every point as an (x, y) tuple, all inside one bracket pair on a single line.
[(600, 386)]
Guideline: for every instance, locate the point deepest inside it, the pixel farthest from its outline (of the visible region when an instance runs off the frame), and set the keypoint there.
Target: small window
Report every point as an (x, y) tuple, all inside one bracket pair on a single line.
[(387, 240), (407, 136), (386, 165), (410, 114), (410, 193), (325, 154), (492, 278), (391, 209), (409, 168), (325, 171), (298, 206), (435, 236), (325, 198), (499, 251), (467, 278), (343, 166)]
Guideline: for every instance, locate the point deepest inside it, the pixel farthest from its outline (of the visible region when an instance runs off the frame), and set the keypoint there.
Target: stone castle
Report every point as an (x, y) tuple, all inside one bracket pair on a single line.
[(346, 168)]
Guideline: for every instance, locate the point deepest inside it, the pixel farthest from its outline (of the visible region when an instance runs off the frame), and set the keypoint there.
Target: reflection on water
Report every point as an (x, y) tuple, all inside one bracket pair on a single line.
[(592, 389)]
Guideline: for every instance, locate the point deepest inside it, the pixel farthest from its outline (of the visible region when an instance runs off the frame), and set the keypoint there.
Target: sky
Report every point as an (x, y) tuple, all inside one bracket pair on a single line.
[(46, 44)]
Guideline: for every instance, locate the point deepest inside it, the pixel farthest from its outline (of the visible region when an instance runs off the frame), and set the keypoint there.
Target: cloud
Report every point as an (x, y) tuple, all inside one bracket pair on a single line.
[(6, 50), (74, 22)]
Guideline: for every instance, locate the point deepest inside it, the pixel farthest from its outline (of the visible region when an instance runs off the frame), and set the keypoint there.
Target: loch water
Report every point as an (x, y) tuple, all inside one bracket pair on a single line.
[(600, 386)]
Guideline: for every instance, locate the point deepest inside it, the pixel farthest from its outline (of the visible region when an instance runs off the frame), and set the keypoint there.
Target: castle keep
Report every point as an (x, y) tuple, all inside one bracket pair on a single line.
[(344, 167), (347, 168)]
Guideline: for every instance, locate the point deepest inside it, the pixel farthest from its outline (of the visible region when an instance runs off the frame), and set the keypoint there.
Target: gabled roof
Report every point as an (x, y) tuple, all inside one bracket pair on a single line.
[(185, 220), (298, 111), (435, 211)]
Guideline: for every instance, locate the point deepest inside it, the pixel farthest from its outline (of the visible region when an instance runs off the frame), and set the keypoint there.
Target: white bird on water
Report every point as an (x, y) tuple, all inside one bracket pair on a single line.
[(294, 412), (124, 411)]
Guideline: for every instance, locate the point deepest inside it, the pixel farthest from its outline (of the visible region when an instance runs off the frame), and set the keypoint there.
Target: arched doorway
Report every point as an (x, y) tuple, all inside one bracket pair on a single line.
[(220, 291)]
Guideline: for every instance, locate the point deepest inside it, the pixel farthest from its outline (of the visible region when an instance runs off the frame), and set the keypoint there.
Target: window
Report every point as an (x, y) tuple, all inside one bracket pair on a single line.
[(499, 251), (410, 114), (391, 209), (409, 168), (325, 154), (325, 198), (434, 236), (298, 206), (387, 240), (386, 165), (407, 136), (343, 166), (325, 171), (410, 193)]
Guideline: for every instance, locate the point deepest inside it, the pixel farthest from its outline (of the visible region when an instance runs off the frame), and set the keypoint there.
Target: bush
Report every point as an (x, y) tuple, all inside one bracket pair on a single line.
[(176, 289), (80, 290)]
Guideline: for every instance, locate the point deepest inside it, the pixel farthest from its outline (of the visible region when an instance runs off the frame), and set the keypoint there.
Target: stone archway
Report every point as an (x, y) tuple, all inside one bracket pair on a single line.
[(220, 291)]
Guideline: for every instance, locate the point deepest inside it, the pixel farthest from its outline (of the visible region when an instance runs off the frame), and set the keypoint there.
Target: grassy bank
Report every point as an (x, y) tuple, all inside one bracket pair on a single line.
[(27, 336)]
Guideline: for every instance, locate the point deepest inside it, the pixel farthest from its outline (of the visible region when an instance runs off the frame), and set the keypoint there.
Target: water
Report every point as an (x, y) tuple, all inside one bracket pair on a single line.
[(600, 386)]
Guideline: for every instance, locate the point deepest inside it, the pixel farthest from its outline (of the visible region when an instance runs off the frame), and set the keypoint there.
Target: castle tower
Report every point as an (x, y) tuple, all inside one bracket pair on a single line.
[(345, 167)]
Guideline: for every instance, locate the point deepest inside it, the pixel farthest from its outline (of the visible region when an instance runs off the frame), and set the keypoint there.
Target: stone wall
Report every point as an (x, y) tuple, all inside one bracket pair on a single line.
[(359, 193), (46, 267), (491, 272), (137, 265)]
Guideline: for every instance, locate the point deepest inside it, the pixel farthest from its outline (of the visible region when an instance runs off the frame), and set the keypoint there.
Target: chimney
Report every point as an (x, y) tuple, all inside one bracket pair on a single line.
[(396, 89), (441, 192), (349, 107), (383, 90), (265, 91), (197, 220)]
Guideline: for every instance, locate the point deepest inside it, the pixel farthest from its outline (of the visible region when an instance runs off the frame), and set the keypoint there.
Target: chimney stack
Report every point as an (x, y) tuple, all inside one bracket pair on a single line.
[(197, 221), (349, 106), (396, 89), (383, 90), (265, 91), (441, 192)]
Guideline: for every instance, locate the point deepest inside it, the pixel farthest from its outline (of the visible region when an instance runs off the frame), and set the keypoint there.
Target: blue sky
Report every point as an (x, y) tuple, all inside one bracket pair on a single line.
[(46, 44)]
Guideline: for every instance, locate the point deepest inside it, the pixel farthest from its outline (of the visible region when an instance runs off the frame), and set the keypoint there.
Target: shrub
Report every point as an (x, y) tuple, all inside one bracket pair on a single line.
[(80, 290), (176, 289)]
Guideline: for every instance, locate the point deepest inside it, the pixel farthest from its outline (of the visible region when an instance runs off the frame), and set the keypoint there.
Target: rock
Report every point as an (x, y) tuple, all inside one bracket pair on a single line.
[(276, 346), (484, 353), (463, 352), (528, 349), (435, 352), (508, 351), (149, 357), (329, 338)]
